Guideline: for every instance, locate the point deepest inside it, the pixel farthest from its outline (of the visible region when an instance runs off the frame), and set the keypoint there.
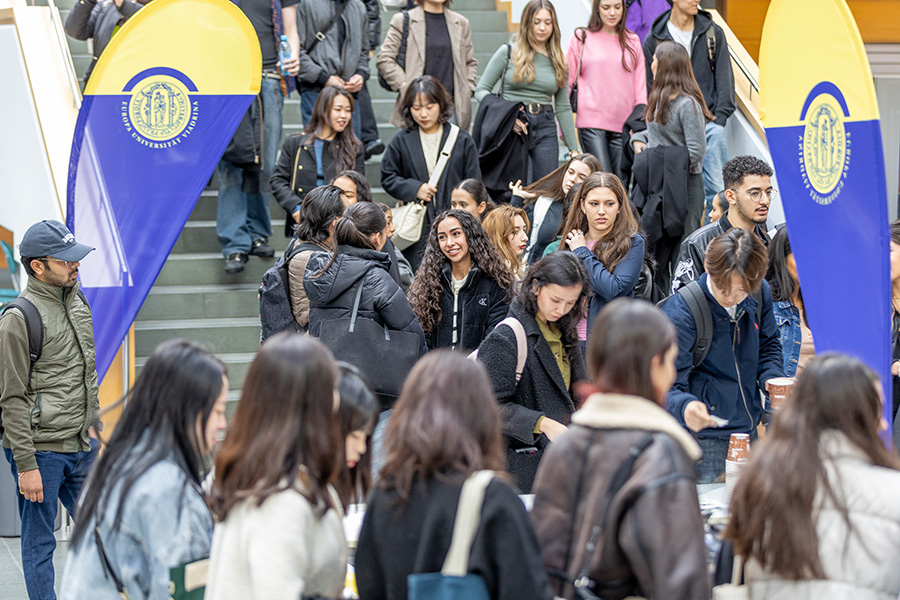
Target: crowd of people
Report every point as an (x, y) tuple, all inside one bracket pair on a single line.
[(494, 331)]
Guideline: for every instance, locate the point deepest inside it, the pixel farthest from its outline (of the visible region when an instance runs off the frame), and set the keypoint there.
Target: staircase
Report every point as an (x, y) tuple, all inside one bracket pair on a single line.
[(193, 298)]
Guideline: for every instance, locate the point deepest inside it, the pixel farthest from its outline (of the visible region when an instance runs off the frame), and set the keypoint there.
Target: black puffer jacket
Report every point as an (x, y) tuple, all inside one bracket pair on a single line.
[(332, 294), (540, 392), (482, 304)]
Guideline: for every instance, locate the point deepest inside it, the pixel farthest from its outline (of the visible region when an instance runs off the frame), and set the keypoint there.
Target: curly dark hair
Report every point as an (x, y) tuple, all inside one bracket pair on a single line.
[(564, 269), (428, 285), (737, 168)]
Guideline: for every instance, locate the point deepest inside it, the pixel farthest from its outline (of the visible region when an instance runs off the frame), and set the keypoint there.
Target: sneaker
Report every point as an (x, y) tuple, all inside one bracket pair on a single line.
[(234, 263), (374, 147), (260, 247)]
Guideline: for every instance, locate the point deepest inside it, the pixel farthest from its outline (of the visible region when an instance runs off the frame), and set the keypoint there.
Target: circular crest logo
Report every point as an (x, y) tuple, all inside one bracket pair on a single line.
[(160, 108), (825, 154)]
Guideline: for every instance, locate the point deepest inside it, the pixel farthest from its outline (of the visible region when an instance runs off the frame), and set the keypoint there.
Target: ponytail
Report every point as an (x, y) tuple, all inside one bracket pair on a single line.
[(355, 228)]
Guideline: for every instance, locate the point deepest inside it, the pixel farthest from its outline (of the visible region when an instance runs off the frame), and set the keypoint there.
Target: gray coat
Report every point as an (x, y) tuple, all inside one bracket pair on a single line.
[(464, 63), (327, 58)]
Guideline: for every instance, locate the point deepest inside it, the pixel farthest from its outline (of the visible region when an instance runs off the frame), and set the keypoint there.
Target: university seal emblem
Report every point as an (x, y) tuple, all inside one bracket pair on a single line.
[(160, 112), (825, 146)]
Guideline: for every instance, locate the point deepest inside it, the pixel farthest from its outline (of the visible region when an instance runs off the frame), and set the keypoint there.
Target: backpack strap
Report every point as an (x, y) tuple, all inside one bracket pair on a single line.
[(34, 327), (521, 344), (699, 307)]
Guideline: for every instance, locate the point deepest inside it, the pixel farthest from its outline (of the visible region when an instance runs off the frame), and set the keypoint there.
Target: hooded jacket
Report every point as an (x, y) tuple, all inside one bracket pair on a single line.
[(652, 544), (332, 294), (482, 304), (717, 85), (540, 392), (743, 355)]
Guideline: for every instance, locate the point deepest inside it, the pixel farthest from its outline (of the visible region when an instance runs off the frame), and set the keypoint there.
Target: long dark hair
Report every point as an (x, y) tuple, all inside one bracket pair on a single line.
[(320, 207), (354, 229), (445, 425), (625, 338), (596, 24), (284, 428), (345, 145), (773, 510), (428, 285), (175, 391), (358, 412), (674, 77), (780, 281), (550, 185), (615, 245), (564, 269)]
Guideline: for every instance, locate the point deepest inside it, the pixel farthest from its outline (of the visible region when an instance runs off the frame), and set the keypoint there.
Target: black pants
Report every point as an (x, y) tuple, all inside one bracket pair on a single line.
[(367, 115)]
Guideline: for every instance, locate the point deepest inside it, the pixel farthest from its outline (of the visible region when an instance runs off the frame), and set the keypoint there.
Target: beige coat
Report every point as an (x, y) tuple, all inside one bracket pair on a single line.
[(464, 63)]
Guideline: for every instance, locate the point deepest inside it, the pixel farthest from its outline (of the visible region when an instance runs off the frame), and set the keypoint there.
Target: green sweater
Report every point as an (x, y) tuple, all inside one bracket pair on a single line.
[(53, 411), (542, 90)]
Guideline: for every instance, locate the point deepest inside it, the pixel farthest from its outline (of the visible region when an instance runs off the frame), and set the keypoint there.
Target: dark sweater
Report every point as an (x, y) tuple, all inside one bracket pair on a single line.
[(398, 540)]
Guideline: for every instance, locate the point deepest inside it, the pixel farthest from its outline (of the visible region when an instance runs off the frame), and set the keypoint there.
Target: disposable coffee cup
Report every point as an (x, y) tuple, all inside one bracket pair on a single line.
[(780, 389)]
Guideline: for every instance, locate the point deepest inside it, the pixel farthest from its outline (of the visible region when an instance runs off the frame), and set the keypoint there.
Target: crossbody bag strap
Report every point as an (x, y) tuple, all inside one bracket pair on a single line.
[(107, 566), (581, 52), (355, 312), (505, 67), (465, 525), (444, 156), (583, 582), (320, 35)]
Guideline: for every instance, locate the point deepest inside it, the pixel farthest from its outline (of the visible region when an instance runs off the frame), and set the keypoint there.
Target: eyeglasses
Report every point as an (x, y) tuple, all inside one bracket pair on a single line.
[(757, 195), (68, 264)]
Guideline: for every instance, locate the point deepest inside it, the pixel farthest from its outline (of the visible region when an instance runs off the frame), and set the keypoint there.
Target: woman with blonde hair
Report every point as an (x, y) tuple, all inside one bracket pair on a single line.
[(507, 228), (534, 71)]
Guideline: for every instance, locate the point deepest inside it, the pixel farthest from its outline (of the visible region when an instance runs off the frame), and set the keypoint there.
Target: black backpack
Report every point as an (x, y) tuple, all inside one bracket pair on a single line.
[(401, 53), (699, 307), (275, 314)]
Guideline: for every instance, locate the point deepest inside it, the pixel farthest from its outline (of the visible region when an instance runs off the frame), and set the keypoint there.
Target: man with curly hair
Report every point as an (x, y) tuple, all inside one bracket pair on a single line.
[(749, 192)]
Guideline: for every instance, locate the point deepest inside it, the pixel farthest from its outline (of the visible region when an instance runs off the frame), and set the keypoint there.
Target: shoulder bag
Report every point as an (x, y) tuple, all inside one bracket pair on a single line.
[(385, 355), (409, 218), (401, 53), (454, 581), (734, 590), (573, 95)]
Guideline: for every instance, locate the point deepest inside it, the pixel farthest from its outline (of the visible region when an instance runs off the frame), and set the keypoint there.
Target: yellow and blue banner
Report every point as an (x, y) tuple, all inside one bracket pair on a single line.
[(159, 110), (819, 109)]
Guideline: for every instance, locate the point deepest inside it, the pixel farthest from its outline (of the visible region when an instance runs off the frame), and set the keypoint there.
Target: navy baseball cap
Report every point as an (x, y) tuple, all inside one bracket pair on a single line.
[(53, 239)]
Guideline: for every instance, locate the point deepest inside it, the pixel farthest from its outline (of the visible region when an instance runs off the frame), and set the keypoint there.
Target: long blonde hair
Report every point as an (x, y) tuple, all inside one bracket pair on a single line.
[(523, 52), (499, 224)]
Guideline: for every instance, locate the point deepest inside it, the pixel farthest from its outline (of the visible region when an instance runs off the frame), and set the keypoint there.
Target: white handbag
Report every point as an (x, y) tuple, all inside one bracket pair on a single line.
[(409, 218)]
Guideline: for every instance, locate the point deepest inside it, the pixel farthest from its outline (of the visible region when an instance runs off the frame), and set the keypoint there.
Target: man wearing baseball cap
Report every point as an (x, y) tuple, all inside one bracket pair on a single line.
[(47, 405)]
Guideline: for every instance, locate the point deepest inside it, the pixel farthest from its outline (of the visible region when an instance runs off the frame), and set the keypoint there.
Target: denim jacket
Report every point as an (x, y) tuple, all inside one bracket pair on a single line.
[(787, 318), (165, 523)]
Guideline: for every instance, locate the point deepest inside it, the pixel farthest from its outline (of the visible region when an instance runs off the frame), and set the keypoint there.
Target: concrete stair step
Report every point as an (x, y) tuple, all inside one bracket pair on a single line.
[(205, 268), (200, 301), (218, 335)]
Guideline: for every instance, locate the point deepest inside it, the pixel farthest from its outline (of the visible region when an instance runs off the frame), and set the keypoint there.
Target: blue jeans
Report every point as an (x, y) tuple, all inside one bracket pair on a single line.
[(62, 475), (242, 217), (543, 149), (715, 158), (605, 145), (308, 103)]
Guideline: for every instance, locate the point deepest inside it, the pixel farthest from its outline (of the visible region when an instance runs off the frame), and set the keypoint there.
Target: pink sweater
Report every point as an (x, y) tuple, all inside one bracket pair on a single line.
[(607, 93)]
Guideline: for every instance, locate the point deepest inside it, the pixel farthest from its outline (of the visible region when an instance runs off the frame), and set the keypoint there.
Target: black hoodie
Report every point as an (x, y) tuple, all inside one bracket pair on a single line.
[(717, 85)]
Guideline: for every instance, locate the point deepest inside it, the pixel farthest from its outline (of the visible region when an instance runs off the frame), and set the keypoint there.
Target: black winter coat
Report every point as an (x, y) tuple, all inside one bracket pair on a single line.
[(398, 540), (295, 173), (661, 193), (502, 151), (403, 171), (540, 392), (482, 304), (332, 294)]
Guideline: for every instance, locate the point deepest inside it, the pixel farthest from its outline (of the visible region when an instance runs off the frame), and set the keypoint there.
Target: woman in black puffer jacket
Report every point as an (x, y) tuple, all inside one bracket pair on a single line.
[(331, 278)]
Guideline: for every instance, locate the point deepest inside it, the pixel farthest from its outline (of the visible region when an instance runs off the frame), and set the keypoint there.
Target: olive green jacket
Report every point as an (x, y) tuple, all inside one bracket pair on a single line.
[(53, 411)]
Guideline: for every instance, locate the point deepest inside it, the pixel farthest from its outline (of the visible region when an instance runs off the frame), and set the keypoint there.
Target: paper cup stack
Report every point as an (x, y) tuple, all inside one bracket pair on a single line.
[(738, 455)]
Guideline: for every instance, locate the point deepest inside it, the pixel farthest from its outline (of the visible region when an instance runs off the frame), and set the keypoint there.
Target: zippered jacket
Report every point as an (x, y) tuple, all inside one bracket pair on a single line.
[(53, 411), (743, 355)]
